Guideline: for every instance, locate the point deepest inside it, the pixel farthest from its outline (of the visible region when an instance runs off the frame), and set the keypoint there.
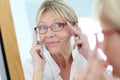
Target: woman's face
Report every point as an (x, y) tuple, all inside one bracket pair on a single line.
[(55, 42), (111, 44)]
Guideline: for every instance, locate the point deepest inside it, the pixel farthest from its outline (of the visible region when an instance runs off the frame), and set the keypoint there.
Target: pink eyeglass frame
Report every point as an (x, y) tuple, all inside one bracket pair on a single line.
[(51, 27), (109, 32)]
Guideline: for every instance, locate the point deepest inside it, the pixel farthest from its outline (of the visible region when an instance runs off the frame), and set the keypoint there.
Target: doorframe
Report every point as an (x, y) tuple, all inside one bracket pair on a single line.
[(10, 42)]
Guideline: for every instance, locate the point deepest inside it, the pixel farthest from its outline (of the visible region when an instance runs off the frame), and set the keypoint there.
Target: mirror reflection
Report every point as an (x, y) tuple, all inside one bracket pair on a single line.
[(24, 15), (52, 39)]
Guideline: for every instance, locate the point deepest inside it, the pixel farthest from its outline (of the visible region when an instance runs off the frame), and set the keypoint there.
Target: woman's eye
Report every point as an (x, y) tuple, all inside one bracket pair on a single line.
[(43, 28), (58, 26)]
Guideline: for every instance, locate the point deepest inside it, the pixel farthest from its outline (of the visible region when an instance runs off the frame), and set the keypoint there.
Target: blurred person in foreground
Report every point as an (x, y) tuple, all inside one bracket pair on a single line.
[(108, 12)]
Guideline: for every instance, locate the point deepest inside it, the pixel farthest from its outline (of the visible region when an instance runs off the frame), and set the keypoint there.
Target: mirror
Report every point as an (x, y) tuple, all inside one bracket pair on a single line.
[(24, 17)]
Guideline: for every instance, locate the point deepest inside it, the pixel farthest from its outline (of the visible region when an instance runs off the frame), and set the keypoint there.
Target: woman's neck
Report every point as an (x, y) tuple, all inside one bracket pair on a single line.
[(63, 58)]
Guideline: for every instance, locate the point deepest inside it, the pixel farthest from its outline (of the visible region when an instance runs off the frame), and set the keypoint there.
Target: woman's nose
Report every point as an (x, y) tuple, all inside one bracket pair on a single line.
[(49, 33)]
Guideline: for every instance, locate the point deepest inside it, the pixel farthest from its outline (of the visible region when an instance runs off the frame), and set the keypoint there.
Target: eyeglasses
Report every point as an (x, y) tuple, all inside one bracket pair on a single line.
[(110, 32), (100, 36), (42, 29)]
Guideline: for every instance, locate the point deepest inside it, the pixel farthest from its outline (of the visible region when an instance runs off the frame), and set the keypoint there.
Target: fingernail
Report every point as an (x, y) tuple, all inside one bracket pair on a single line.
[(68, 23)]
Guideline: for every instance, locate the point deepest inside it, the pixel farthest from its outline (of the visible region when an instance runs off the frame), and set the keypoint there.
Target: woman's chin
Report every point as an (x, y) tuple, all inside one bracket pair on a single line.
[(53, 50)]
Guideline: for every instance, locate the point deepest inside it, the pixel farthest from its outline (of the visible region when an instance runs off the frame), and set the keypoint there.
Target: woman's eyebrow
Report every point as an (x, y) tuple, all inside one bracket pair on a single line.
[(54, 20)]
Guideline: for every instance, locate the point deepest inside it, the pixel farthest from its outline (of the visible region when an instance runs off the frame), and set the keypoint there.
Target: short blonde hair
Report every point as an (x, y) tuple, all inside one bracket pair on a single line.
[(59, 8), (110, 8)]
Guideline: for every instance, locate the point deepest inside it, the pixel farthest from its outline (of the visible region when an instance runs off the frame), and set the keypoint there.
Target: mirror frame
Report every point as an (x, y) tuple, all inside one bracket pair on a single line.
[(10, 41)]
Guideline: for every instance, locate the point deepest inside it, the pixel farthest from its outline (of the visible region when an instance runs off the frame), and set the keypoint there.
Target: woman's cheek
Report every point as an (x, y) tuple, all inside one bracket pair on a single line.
[(42, 38)]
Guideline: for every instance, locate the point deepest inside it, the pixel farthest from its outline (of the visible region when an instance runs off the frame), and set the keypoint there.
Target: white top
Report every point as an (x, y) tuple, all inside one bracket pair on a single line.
[(52, 70)]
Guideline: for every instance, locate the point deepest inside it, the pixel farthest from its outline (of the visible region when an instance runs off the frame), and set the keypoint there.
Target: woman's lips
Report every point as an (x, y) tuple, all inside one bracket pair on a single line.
[(52, 43)]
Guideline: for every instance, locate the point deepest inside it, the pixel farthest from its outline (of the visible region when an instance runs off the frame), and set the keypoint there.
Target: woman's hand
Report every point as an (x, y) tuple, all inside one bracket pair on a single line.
[(81, 41), (38, 58), (37, 53), (95, 69)]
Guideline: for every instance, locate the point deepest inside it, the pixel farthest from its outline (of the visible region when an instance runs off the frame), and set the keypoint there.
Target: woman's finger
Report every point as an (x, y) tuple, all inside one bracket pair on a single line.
[(37, 52), (39, 49), (77, 38), (34, 43), (76, 30), (78, 43)]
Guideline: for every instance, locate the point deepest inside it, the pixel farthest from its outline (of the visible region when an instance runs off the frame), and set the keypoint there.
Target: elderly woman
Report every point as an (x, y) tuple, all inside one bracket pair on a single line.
[(109, 15), (56, 25)]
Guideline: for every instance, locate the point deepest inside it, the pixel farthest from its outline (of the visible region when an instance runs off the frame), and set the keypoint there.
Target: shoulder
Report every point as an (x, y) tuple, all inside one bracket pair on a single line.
[(78, 59), (28, 69), (28, 64), (77, 56)]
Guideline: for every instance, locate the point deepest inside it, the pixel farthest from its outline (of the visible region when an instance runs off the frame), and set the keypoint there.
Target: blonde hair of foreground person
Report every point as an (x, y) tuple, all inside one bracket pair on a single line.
[(108, 11)]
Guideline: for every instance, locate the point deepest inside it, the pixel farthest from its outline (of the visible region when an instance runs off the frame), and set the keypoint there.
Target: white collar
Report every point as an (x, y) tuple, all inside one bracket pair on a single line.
[(54, 67)]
